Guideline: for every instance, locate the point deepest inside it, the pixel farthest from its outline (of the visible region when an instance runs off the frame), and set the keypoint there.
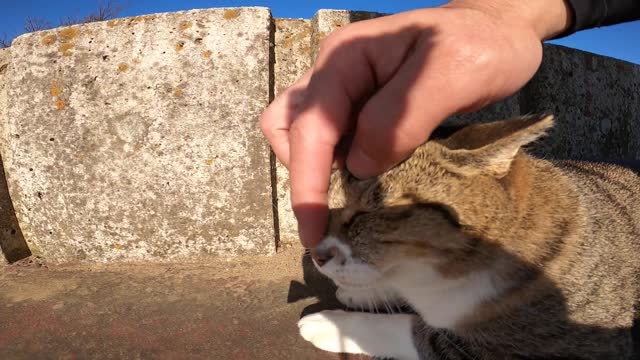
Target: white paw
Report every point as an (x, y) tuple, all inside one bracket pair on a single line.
[(367, 299), (330, 331)]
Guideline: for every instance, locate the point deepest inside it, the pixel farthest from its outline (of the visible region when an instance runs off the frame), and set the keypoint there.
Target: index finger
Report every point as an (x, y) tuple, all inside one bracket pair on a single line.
[(322, 119), (313, 137)]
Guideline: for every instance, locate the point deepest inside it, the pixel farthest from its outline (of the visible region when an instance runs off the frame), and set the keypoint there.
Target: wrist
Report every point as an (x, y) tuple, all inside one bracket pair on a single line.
[(546, 18)]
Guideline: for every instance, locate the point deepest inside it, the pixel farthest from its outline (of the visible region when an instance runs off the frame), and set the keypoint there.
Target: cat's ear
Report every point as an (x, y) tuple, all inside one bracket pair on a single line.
[(490, 148)]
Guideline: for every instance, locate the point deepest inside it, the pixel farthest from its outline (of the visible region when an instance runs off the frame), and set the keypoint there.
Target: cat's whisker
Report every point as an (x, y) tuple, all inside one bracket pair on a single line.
[(385, 301), (374, 304), (452, 343)]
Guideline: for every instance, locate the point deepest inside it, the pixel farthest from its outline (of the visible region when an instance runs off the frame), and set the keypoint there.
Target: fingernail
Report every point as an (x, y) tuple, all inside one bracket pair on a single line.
[(312, 222)]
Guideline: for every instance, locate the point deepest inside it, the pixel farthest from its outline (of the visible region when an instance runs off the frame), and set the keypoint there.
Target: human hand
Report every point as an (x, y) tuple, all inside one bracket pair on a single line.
[(387, 83)]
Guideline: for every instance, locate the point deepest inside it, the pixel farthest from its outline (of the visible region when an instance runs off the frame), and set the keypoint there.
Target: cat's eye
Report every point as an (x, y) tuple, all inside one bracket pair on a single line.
[(447, 212), (351, 219)]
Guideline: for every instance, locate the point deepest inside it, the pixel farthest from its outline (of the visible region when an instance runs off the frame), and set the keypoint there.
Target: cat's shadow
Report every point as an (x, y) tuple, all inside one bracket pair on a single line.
[(315, 286)]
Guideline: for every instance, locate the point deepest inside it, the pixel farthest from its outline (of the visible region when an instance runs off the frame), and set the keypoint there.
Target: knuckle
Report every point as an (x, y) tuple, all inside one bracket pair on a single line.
[(334, 39), (265, 122)]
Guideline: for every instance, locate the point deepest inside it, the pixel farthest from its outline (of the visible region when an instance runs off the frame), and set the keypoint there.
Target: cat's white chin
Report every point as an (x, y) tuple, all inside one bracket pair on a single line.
[(345, 270), (352, 275)]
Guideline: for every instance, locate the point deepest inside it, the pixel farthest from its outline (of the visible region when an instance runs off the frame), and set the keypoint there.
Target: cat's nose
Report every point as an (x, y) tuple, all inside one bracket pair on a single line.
[(323, 256)]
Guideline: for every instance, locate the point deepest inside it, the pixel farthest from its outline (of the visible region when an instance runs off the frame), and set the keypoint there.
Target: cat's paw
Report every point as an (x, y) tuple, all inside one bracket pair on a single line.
[(327, 330), (366, 299), (380, 335)]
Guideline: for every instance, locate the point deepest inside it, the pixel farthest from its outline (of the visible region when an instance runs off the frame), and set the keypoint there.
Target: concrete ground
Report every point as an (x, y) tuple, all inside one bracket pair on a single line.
[(245, 308)]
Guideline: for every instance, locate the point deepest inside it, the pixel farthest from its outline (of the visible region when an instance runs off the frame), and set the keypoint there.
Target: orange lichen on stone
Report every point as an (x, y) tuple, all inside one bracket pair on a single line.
[(321, 36), (135, 20), (68, 34), (185, 25), (65, 49), (55, 88), (298, 37), (123, 67), (49, 39), (206, 54), (179, 45), (178, 92), (60, 104), (231, 14)]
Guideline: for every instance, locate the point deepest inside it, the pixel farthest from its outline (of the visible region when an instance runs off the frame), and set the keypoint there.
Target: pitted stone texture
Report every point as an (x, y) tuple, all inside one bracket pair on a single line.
[(292, 51), (137, 139), (12, 244), (596, 101), (292, 58), (5, 61)]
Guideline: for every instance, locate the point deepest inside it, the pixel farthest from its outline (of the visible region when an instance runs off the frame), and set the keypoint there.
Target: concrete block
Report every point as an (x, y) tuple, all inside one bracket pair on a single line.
[(327, 21), (137, 139), (596, 100), (12, 244), (292, 57), (503, 109)]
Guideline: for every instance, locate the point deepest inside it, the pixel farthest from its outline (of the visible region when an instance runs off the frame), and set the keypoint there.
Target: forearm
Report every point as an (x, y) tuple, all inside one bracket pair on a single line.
[(546, 18)]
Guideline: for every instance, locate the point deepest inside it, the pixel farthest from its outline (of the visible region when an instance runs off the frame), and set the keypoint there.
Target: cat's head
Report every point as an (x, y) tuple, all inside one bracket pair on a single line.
[(442, 207)]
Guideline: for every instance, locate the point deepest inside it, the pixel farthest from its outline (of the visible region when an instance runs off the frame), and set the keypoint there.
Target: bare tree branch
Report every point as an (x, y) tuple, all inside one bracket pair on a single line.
[(69, 20), (36, 24), (5, 42), (107, 10)]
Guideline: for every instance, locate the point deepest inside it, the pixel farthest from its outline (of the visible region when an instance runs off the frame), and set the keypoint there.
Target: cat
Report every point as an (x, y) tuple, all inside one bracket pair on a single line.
[(500, 254)]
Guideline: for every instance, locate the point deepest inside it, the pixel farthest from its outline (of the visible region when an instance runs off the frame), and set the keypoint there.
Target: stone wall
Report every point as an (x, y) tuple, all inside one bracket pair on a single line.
[(137, 140)]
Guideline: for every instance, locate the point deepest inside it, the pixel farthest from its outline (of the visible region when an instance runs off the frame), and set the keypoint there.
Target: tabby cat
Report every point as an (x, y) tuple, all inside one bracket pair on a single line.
[(501, 255)]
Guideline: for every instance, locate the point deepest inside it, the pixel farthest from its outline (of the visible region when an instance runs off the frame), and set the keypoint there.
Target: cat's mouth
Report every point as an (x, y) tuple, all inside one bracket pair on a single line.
[(335, 260), (355, 286)]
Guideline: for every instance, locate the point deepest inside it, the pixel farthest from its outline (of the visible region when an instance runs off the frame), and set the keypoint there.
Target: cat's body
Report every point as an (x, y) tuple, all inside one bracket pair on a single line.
[(502, 255)]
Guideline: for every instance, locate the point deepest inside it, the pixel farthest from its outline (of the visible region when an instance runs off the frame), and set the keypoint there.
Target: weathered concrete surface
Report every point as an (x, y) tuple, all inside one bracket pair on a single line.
[(137, 139), (12, 244), (5, 61), (596, 100), (292, 55), (327, 21), (241, 309)]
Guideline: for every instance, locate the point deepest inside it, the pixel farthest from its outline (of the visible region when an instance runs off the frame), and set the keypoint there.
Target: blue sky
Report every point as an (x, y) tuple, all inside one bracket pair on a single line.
[(619, 41)]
